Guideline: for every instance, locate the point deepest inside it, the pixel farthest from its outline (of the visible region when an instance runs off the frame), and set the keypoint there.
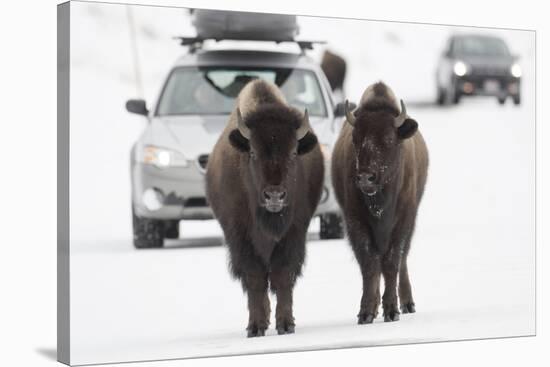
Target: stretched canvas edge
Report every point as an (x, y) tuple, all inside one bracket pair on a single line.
[(63, 136)]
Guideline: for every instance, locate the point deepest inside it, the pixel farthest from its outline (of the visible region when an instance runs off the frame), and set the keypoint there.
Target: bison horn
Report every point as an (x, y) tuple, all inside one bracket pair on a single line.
[(402, 116), (349, 116), (304, 127), (243, 129)]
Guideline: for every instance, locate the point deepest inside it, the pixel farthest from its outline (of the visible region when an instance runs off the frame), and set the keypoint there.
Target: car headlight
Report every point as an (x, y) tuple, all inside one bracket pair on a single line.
[(515, 70), (460, 68), (162, 157), (326, 150)]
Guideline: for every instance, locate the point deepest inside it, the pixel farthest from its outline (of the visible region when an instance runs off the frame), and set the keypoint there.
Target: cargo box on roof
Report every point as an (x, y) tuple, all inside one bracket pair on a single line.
[(219, 25)]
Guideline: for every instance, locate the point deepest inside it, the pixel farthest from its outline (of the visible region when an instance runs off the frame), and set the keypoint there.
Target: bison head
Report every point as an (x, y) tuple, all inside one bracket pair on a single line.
[(273, 136), (378, 131)]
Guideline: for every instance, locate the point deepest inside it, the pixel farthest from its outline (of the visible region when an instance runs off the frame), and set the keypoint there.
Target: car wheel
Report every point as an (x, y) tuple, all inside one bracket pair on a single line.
[(517, 100), (501, 100), (331, 226), (456, 97), (440, 96), (148, 233), (452, 95), (172, 229)]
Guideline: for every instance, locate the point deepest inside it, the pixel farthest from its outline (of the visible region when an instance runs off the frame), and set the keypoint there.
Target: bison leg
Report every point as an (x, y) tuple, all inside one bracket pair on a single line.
[(405, 292), (282, 283), (370, 300), (390, 269), (369, 262), (255, 285), (286, 265)]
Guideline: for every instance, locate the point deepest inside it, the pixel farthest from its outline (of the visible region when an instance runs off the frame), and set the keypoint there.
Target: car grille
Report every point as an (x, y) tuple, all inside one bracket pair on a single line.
[(489, 71), (202, 160), (196, 202)]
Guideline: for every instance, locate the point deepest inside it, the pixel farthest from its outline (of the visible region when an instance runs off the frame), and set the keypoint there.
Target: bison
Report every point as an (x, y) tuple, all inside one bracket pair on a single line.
[(379, 170), (334, 68), (264, 180)]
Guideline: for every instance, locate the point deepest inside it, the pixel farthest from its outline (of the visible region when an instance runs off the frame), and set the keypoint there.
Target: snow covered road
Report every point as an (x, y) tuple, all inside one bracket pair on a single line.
[(181, 302)]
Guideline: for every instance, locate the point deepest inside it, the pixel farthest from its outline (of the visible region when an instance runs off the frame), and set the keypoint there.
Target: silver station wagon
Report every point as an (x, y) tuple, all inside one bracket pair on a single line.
[(168, 161)]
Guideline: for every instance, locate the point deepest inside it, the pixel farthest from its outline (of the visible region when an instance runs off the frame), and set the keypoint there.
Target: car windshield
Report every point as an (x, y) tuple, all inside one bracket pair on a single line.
[(483, 46), (212, 90)]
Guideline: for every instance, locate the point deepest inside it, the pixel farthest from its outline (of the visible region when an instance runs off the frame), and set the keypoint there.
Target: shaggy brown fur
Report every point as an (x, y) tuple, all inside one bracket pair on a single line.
[(334, 68), (379, 172), (265, 247)]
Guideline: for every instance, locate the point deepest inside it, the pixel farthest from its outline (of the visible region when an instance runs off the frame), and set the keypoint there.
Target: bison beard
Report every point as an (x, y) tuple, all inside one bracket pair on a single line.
[(376, 203), (274, 224)]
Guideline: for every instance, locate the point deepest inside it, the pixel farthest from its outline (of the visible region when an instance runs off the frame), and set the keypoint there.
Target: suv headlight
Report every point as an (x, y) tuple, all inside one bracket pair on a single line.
[(515, 70), (162, 157), (460, 68)]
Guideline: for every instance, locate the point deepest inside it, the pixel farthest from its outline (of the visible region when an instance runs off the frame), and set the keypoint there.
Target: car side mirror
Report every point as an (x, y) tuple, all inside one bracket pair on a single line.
[(137, 106), (340, 109)]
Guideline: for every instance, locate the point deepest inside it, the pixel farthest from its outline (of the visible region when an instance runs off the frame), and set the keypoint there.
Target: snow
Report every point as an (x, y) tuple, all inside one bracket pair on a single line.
[(472, 262)]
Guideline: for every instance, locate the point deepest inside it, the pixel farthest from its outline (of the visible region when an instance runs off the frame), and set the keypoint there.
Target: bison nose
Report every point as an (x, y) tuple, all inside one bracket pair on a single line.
[(274, 193), (366, 178)]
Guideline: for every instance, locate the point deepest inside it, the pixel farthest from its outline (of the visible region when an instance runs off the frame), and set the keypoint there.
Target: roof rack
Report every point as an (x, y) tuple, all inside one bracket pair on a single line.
[(195, 43)]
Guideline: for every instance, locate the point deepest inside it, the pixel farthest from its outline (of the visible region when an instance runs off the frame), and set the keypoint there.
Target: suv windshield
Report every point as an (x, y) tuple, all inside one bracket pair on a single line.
[(483, 46), (212, 90)]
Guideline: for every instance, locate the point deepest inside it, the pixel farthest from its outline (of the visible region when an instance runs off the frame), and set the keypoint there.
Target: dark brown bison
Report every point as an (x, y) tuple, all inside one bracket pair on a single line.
[(264, 181), (379, 169), (334, 68)]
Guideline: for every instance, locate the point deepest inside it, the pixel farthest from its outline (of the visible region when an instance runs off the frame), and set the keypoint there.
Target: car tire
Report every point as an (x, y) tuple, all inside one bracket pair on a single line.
[(452, 95), (517, 100), (456, 97), (440, 96), (501, 100), (172, 229), (148, 233), (332, 226)]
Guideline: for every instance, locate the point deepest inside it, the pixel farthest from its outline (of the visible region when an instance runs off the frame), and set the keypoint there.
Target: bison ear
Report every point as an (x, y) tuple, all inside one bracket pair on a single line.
[(238, 141), (307, 143), (407, 129)]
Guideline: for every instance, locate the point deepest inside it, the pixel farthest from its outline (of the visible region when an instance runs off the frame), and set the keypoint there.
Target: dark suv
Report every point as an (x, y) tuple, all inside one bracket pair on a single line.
[(477, 65)]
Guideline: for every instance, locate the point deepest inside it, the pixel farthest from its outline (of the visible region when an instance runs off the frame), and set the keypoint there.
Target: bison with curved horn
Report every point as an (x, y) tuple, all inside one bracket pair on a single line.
[(264, 180), (379, 170)]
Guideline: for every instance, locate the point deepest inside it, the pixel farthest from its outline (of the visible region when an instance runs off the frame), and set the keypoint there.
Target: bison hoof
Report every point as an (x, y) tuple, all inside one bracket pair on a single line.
[(255, 331), (285, 328), (408, 308), (391, 316), (365, 318)]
